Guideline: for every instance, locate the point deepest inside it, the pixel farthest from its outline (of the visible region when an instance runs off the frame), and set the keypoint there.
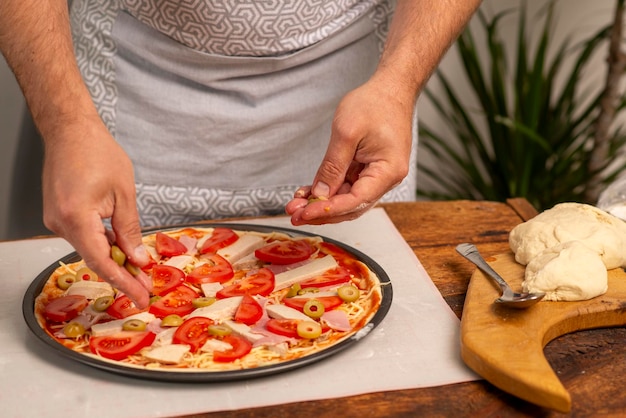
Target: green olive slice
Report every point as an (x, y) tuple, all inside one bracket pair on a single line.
[(218, 330), (131, 268), (102, 303), (308, 290), (64, 281), (348, 293), (172, 320), (74, 330), (153, 299), (118, 255), (134, 325), (313, 308), (293, 290), (201, 302), (309, 329), (86, 274)]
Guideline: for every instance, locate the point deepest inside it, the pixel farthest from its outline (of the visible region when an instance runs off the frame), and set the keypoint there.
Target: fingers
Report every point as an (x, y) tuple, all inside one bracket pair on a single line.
[(125, 223), (343, 206), (88, 236), (338, 160)]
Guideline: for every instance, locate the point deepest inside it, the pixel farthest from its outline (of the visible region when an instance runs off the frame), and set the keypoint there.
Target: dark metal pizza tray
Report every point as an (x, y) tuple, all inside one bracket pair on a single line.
[(28, 310)]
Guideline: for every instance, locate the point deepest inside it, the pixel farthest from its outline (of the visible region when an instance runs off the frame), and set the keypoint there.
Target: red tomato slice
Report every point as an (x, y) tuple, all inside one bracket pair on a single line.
[(330, 278), (166, 278), (123, 307), (193, 332), (241, 347), (121, 345), (168, 246), (345, 260), (65, 308), (178, 301), (329, 302), (285, 252), (216, 270), (220, 238), (259, 283), (249, 311), (284, 327)]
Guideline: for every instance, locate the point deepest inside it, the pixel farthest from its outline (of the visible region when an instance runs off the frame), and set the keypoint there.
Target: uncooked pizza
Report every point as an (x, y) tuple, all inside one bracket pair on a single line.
[(223, 299)]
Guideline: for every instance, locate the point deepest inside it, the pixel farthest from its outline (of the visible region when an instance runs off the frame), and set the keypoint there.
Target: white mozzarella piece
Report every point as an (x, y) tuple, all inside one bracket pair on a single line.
[(210, 289), (168, 354), (164, 337), (247, 262), (152, 252), (220, 310), (243, 331), (90, 290), (305, 272), (215, 345), (179, 261), (245, 245), (285, 312), (115, 326)]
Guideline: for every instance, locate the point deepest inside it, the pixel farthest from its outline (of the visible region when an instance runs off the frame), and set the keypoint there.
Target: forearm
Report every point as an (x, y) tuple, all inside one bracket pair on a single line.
[(420, 34), (35, 39)]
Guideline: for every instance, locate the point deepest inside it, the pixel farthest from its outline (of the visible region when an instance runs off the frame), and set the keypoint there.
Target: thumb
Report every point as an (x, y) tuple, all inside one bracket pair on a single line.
[(334, 169)]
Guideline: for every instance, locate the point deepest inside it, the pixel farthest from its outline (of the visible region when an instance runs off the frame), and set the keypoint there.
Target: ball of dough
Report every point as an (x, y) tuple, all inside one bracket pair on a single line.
[(603, 233), (567, 272)]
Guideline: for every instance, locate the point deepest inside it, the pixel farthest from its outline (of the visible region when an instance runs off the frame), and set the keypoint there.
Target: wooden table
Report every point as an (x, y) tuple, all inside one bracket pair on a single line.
[(590, 364)]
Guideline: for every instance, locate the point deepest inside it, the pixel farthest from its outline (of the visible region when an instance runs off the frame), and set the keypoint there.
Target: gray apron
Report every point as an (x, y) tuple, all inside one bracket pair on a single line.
[(216, 135)]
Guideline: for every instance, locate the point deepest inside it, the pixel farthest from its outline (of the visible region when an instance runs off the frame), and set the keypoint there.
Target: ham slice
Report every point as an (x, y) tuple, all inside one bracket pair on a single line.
[(337, 320)]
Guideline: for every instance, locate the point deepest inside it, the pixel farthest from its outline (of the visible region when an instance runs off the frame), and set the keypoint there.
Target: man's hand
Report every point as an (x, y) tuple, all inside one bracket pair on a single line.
[(370, 141), (367, 156), (87, 177)]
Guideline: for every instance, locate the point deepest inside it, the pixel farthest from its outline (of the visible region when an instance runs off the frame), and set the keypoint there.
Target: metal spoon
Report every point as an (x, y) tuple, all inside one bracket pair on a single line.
[(508, 297)]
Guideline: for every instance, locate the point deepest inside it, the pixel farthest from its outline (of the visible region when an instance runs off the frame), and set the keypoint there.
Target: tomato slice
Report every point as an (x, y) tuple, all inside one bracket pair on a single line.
[(220, 238), (216, 270), (285, 252), (345, 260), (193, 332), (123, 307), (178, 301), (121, 345), (332, 277), (241, 347), (284, 327), (166, 278), (65, 308), (259, 283), (329, 302), (168, 246), (249, 311)]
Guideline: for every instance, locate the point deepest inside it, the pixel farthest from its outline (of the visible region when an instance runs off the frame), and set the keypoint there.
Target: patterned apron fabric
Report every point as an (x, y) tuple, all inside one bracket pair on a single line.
[(246, 93)]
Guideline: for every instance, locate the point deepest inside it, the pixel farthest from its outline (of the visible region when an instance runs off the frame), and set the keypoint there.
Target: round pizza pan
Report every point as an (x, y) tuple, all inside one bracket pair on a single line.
[(187, 376)]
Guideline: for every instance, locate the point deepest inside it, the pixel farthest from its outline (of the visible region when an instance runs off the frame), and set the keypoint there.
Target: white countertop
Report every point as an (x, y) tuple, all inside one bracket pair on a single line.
[(416, 345)]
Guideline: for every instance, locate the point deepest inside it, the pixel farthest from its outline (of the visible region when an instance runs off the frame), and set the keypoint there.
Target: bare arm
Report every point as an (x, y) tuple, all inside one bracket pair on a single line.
[(79, 186), (370, 141)]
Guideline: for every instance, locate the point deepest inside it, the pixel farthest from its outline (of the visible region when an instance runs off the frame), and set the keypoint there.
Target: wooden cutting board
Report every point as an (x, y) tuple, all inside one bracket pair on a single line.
[(505, 346)]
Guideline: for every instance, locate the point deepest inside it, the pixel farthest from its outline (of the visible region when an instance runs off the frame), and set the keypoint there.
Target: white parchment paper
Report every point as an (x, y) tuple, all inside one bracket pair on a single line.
[(417, 344)]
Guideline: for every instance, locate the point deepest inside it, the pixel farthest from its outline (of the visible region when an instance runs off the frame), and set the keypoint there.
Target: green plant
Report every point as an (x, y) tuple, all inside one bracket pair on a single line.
[(533, 133)]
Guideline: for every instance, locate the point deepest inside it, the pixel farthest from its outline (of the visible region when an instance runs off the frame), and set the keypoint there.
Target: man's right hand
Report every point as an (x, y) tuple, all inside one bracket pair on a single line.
[(87, 177)]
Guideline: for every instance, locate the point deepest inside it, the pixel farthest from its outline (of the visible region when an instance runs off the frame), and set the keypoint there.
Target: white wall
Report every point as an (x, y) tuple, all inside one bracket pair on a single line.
[(577, 19), (575, 16)]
